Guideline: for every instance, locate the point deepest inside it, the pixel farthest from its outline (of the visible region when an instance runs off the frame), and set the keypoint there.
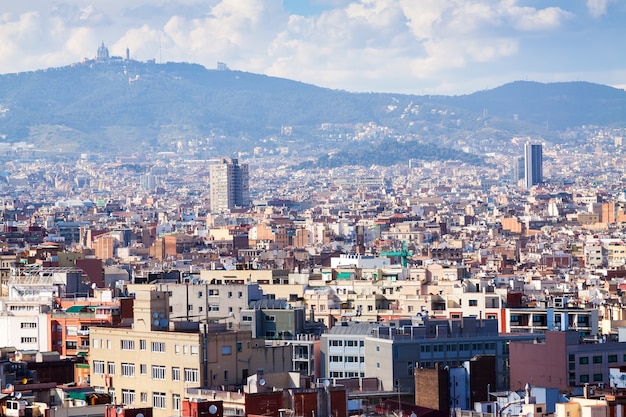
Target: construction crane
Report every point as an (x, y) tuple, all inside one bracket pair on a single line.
[(403, 255)]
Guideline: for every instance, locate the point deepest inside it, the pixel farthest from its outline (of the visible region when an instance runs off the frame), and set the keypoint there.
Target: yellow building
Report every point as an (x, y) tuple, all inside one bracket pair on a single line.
[(155, 361)]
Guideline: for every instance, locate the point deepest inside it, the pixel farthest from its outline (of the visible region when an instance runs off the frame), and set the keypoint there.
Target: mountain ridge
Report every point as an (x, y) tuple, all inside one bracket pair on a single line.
[(109, 106)]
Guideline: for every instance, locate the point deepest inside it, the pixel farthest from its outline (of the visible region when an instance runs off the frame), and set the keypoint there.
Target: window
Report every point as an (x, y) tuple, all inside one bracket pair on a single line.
[(158, 346), (177, 349), (191, 375), (194, 349), (98, 367), (29, 340), (425, 348), (111, 368), (143, 368), (240, 294), (335, 358), (108, 344), (95, 343), (176, 401), (336, 343), (583, 360), (584, 378), (158, 400), (246, 318), (144, 397), (214, 292), (175, 374), (158, 372), (270, 318), (28, 325), (186, 349), (473, 303), (128, 396), (128, 369), (142, 344), (571, 358), (199, 294), (597, 359), (128, 344), (597, 378), (239, 346), (230, 294), (226, 350), (612, 358)]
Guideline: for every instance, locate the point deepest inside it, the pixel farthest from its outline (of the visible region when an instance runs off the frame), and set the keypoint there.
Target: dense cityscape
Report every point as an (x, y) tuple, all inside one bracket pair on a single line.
[(163, 284), (182, 282)]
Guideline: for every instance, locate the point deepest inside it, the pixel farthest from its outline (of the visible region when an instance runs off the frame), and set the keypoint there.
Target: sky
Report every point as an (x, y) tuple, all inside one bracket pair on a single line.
[(398, 46)]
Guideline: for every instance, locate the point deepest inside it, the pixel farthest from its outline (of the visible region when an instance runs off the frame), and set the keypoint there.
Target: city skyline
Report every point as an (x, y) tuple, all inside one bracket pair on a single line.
[(442, 47)]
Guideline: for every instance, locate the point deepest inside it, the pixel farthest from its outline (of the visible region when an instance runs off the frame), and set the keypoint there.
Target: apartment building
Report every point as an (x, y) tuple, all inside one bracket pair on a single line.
[(565, 360), (154, 361), (206, 300), (391, 352)]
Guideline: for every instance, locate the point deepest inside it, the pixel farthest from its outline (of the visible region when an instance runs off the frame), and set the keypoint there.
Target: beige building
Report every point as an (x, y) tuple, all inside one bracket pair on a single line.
[(156, 361)]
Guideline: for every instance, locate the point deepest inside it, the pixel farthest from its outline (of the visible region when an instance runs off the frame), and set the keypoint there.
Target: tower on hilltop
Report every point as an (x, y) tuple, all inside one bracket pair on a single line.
[(103, 53)]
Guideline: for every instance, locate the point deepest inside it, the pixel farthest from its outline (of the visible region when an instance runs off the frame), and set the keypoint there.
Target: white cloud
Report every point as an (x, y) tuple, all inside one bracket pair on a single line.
[(597, 8), (530, 19)]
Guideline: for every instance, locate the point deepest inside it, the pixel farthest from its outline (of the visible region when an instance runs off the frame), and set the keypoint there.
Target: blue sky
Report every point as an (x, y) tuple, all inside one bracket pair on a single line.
[(404, 46)]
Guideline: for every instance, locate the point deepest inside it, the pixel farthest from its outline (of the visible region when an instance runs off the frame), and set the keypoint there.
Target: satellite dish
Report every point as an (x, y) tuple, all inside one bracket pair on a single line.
[(161, 315), (156, 322), (326, 383), (163, 323), (139, 415), (213, 409), (9, 387), (94, 286), (18, 395), (155, 315), (262, 381), (119, 410)]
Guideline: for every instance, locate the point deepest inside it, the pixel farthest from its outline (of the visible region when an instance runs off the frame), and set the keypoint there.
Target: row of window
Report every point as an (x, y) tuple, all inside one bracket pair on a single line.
[(159, 399), (461, 347), (349, 359), (158, 372), (347, 343), (340, 374), (584, 360), (157, 347), (215, 293)]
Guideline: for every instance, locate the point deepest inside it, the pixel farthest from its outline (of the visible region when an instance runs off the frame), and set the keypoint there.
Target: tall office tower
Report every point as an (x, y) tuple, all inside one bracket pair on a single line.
[(533, 161), (518, 170), (229, 185)]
